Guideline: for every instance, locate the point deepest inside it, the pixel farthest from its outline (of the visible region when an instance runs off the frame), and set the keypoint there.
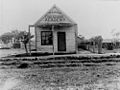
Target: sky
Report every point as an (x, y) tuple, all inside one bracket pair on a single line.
[(94, 17)]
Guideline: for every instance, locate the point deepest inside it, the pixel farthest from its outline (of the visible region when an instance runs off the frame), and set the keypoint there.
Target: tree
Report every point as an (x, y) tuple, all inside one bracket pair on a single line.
[(15, 34), (116, 36), (82, 42), (97, 41), (116, 39), (81, 37), (25, 38), (6, 37), (18, 36), (92, 40)]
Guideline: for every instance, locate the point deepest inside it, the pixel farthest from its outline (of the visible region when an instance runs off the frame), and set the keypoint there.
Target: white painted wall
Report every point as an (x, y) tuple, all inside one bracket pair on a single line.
[(70, 39)]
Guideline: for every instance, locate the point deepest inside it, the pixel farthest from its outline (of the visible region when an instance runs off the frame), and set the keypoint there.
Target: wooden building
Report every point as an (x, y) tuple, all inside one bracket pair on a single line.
[(55, 32)]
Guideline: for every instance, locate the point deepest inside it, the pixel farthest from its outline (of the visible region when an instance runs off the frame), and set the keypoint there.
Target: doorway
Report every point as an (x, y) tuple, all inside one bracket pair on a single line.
[(61, 41)]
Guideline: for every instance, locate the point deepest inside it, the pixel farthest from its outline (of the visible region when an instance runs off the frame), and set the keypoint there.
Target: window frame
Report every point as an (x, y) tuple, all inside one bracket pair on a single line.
[(45, 37)]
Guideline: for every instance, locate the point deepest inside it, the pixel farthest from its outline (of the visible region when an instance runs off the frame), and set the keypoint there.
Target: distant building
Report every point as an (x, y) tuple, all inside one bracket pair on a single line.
[(112, 43), (5, 46), (56, 32), (1, 44)]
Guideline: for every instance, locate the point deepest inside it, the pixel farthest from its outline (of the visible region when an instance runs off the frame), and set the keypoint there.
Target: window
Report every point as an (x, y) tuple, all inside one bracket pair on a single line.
[(46, 38)]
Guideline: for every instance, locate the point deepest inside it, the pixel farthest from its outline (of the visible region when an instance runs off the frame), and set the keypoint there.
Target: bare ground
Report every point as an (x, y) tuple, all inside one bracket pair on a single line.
[(101, 77), (95, 76)]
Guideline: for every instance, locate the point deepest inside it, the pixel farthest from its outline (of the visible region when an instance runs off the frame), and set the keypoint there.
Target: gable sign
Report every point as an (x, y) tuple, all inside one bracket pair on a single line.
[(54, 18), (54, 15)]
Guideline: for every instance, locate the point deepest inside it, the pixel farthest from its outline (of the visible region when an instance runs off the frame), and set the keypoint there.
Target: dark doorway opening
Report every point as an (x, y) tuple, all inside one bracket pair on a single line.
[(61, 41)]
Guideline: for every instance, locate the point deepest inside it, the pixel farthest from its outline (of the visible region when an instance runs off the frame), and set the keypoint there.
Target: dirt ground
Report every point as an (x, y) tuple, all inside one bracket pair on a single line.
[(103, 77), (7, 52), (99, 77)]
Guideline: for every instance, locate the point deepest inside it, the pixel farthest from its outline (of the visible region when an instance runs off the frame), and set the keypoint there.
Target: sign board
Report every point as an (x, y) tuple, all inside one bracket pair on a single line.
[(54, 15), (54, 18)]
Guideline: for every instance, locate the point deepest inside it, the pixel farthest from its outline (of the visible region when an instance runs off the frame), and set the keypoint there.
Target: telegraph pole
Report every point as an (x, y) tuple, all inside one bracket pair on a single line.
[(53, 38), (29, 40)]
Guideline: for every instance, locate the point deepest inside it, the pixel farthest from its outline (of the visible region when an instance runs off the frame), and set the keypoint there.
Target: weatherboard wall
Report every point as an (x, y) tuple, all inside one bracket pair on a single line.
[(70, 40), (45, 48)]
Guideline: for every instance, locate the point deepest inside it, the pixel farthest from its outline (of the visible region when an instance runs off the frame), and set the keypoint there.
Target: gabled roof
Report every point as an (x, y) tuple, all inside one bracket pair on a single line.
[(54, 16)]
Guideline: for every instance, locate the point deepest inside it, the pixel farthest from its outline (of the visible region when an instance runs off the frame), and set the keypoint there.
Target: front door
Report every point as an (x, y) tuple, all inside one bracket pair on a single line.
[(61, 41)]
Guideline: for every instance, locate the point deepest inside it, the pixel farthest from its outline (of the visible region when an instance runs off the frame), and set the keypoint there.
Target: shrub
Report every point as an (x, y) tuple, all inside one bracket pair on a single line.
[(23, 65), (110, 46), (16, 45), (82, 46)]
